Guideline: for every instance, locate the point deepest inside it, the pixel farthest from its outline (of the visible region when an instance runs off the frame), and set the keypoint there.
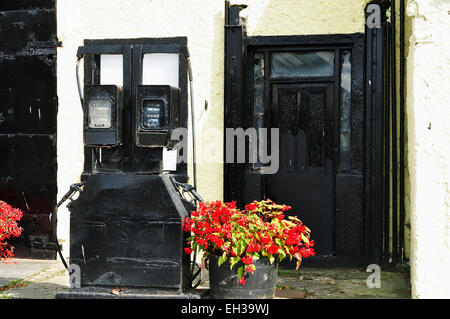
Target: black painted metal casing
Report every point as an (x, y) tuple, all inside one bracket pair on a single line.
[(111, 136), (127, 230), (170, 97)]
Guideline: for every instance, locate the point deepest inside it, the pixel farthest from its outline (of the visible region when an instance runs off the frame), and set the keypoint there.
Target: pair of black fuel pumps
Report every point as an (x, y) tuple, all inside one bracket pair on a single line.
[(157, 110), (126, 226)]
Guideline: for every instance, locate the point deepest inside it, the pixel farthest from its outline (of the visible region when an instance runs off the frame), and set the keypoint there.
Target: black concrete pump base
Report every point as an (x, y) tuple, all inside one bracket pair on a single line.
[(131, 293), (127, 231)]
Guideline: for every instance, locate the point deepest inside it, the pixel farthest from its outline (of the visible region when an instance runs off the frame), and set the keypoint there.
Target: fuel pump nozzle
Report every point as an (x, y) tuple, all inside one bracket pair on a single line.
[(187, 188), (73, 189)]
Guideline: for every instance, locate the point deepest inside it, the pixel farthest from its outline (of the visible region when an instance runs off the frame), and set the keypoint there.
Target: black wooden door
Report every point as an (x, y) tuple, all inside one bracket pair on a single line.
[(28, 111), (304, 114)]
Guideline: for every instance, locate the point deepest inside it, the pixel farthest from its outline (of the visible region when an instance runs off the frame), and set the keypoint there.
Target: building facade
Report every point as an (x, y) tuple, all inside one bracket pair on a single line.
[(361, 110)]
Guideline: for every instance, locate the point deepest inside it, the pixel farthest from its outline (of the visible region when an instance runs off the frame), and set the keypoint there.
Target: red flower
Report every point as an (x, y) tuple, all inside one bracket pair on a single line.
[(300, 229), (293, 238), (216, 240), (251, 206), (231, 205), (273, 249), (248, 260), (220, 228), (306, 252), (253, 247), (9, 217), (265, 240), (242, 281), (187, 225), (202, 242)]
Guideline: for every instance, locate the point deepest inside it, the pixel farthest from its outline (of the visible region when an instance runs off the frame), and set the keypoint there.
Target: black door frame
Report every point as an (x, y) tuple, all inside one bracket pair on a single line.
[(351, 245)]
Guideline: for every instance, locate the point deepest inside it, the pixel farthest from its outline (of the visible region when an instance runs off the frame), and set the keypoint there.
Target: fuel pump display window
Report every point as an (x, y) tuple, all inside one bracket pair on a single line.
[(100, 113), (153, 114)]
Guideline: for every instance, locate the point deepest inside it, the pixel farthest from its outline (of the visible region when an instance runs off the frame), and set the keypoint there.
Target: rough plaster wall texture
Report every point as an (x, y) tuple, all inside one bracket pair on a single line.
[(301, 17), (407, 199), (428, 103), (200, 20)]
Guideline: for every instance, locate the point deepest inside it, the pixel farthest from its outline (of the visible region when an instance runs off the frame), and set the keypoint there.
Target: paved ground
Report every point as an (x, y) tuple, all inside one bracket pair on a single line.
[(32, 279), (40, 279), (341, 283)]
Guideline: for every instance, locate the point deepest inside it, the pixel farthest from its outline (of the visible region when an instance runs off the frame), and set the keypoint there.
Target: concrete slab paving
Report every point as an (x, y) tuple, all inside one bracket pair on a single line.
[(21, 268), (43, 279), (32, 279), (341, 283)]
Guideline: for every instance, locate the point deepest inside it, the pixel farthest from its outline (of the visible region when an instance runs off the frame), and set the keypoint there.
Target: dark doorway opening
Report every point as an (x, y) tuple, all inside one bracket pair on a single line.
[(311, 88), (28, 110)]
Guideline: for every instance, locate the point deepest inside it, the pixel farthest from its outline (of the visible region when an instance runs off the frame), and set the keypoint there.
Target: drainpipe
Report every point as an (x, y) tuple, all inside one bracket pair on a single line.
[(394, 137), (402, 130)]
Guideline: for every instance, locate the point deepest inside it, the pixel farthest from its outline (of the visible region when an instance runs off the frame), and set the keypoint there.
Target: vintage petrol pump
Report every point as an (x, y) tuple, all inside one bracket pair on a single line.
[(127, 222)]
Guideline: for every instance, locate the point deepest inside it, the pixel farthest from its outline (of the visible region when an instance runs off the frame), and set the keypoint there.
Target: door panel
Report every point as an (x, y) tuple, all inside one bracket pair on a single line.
[(28, 114), (304, 113)]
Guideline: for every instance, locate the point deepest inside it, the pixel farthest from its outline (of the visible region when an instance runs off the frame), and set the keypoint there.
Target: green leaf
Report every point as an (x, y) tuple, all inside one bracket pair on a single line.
[(222, 259), (305, 239), (271, 259), (294, 218), (233, 261), (239, 271), (244, 247), (281, 254)]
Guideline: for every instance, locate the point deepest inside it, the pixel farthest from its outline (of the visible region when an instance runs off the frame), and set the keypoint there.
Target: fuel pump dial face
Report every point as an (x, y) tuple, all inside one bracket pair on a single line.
[(153, 114), (100, 113)]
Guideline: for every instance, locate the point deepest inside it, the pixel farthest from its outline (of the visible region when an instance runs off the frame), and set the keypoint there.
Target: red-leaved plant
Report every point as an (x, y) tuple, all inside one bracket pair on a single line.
[(9, 217), (260, 231)]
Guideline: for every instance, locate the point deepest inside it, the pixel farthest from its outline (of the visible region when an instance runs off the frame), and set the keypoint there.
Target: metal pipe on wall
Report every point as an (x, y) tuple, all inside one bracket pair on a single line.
[(387, 147), (402, 130), (394, 136)]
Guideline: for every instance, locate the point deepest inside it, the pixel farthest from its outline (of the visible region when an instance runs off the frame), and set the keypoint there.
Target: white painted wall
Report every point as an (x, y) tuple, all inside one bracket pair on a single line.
[(428, 115), (201, 21)]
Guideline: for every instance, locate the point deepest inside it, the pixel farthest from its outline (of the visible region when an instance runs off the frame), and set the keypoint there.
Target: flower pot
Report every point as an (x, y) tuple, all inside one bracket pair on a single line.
[(224, 282)]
